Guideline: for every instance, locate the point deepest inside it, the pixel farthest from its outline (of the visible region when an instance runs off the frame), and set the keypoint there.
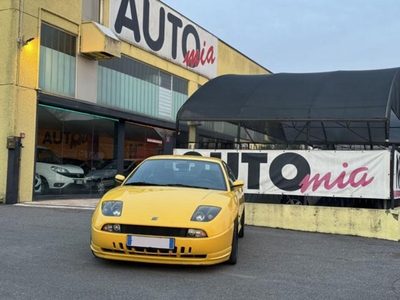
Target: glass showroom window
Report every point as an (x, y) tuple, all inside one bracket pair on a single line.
[(57, 61), (131, 85), (142, 142), (71, 145)]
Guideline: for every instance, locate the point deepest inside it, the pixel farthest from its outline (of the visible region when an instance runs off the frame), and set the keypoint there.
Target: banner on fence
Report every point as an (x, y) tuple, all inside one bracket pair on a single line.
[(320, 173)]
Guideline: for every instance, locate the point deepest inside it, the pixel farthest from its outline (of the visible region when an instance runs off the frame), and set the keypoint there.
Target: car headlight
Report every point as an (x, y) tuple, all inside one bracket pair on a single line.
[(111, 208), (205, 213), (59, 169)]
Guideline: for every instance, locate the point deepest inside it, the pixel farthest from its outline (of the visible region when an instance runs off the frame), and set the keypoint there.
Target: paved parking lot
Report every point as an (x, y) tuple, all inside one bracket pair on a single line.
[(45, 255)]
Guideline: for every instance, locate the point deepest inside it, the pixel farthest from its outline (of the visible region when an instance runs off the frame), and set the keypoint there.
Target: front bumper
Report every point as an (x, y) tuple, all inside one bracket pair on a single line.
[(187, 251), (62, 182)]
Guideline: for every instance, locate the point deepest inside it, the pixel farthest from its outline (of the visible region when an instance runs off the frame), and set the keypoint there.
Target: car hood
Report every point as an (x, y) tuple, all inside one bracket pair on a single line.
[(169, 205), (71, 168)]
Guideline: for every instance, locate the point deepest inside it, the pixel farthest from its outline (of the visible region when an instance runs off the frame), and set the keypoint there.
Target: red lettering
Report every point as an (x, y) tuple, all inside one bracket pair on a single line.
[(340, 180), (191, 58), (202, 59), (195, 57), (363, 181), (210, 55), (317, 180)]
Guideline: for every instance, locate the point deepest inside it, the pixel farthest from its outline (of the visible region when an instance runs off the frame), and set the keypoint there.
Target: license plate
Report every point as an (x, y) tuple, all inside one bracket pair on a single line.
[(79, 181), (150, 242)]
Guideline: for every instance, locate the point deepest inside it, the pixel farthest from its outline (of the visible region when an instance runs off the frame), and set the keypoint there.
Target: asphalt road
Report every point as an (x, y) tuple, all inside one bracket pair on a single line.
[(44, 254)]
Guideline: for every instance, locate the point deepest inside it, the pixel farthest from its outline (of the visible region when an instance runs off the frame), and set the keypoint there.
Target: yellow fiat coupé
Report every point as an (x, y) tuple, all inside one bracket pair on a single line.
[(172, 209)]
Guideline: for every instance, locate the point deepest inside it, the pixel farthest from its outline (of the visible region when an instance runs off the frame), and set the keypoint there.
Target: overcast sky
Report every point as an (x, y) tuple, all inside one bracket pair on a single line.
[(301, 36)]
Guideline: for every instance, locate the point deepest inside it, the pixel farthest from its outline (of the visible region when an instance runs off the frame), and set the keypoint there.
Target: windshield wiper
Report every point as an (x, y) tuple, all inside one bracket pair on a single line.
[(185, 185), (142, 183)]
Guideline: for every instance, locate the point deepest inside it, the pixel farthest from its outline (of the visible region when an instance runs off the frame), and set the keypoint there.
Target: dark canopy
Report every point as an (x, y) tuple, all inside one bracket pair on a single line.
[(338, 107)]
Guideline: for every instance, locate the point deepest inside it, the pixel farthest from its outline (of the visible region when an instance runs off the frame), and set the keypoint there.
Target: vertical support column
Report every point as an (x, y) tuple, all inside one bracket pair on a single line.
[(120, 146), (393, 174), (238, 139), (192, 136), (169, 144), (13, 168)]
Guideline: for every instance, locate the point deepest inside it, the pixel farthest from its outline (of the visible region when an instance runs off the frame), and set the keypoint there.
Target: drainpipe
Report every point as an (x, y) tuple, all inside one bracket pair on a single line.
[(20, 41), (21, 18), (101, 17)]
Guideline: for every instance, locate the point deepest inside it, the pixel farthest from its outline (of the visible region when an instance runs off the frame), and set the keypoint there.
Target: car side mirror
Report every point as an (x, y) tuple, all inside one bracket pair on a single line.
[(237, 184), (119, 178)]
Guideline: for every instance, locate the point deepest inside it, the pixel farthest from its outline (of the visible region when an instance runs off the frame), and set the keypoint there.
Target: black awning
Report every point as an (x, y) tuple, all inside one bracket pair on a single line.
[(330, 107)]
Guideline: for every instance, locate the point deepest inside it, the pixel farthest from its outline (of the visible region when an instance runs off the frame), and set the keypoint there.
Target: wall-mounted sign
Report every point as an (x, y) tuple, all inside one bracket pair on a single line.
[(157, 28), (149, 140)]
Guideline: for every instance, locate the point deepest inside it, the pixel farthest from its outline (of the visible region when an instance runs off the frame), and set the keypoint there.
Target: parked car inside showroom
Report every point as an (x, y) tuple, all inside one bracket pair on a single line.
[(103, 179), (54, 175), (172, 209)]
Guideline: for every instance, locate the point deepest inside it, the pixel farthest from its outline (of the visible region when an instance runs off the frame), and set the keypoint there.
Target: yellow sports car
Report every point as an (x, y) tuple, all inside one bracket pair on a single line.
[(172, 209)]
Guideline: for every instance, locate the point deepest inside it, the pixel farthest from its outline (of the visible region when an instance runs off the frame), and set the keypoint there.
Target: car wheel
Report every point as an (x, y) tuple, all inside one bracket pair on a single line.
[(44, 186), (242, 221), (100, 187), (235, 245), (292, 201), (92, 250)]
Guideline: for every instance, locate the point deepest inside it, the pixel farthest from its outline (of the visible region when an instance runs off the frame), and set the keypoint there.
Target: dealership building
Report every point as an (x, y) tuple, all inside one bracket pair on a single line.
[(92, 87)]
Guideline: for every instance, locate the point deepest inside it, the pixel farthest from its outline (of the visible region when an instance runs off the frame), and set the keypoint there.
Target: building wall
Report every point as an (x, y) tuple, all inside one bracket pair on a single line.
[(20, 65), (17, 93), (7, 81), (234, 62), (21, 19)]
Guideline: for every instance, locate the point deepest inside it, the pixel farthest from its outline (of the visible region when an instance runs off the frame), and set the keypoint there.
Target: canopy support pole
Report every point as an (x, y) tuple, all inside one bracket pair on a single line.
[(239, 146)]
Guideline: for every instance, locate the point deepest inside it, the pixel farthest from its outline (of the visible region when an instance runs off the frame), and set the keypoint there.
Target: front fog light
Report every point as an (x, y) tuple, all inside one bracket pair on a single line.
[(196, 233)]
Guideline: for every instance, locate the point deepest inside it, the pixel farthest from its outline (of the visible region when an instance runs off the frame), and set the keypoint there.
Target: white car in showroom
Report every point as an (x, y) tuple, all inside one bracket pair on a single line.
[(54, 175)]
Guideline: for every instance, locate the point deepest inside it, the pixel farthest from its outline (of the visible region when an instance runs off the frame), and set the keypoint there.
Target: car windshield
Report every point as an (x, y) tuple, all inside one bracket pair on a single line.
[(47, 156), (178, 172)]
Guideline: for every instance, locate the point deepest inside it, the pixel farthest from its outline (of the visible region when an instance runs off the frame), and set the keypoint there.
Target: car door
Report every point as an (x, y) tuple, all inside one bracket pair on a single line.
[(238, 191)]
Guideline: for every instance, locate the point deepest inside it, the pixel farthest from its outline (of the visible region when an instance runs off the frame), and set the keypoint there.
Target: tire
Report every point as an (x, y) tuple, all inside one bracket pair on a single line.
[(94, 254), (292, 200), (44, 187), (242, 222), (234, 252), (93, 251), (100, 188)]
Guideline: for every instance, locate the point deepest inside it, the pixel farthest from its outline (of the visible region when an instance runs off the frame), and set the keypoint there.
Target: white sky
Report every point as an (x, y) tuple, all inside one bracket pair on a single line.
[(301, 36)]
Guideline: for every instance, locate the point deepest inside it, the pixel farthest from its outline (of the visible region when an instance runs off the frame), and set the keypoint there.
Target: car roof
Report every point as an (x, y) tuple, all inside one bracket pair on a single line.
[(186, 157)]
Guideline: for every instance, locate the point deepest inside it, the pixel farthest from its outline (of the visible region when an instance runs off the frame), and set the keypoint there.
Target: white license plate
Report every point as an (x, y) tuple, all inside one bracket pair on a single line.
[(79, 181), (150, 242)]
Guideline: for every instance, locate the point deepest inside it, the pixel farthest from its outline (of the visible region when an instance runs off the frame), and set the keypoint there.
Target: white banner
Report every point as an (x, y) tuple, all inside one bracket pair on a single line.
[(155, 27), (348, 174)]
